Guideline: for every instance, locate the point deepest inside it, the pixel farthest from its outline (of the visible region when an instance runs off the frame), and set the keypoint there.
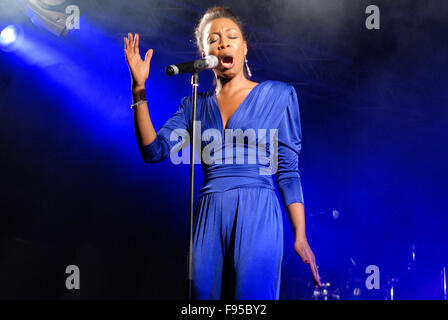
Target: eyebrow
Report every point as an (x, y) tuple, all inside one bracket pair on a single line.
[(228, 29)]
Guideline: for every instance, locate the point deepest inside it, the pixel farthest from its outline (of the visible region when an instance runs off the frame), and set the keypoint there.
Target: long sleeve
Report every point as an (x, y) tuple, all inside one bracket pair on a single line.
[(160, 148), (289, 146)]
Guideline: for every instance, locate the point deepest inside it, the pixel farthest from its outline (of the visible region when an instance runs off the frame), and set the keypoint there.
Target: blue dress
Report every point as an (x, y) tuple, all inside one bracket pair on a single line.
[(238, 227)]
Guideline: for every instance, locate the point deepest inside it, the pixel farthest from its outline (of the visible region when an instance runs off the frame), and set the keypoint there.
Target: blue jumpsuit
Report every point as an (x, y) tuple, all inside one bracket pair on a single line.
[(238, 227)]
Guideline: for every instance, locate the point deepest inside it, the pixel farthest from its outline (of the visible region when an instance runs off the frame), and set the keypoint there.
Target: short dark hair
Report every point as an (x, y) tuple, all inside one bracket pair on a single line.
[(212, 14)]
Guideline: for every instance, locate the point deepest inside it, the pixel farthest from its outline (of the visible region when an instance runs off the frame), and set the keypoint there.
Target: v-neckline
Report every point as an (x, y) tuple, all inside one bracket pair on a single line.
[(215, 100)]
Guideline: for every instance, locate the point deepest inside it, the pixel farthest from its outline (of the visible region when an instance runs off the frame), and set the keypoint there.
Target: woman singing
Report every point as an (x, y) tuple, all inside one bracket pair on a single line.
[(238, 227)]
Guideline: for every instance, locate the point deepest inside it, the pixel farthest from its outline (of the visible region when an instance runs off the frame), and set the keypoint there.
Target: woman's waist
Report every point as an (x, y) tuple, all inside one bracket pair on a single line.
[(226, 177)]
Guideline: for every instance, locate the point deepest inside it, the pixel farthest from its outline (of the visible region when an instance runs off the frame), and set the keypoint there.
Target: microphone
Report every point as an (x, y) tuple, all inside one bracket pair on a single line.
[(209, 62)]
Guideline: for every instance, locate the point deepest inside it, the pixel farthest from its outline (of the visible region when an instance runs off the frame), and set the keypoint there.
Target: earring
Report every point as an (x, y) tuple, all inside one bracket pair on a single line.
[(248, 70)]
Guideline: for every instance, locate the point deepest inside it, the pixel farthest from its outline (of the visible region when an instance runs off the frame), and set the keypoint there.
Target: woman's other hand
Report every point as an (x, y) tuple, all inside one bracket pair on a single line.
[(303, 249)]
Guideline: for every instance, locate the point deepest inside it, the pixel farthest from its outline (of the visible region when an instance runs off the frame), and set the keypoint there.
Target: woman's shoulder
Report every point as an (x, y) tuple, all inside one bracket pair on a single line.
[(278, 90), (277, 86)]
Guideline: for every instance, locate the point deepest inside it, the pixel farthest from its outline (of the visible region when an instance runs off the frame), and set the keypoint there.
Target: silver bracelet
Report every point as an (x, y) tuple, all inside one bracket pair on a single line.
[(133, 106)]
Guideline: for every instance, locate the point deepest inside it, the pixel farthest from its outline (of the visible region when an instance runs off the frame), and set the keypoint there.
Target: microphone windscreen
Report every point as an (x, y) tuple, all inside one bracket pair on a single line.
[(172, 70), (212, 61)]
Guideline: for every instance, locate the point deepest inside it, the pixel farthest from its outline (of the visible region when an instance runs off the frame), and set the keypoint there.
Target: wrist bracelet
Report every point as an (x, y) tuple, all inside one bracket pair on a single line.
[(133, 106)]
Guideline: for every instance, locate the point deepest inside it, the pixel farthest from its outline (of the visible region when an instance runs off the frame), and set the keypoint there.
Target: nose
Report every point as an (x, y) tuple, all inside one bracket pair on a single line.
[(223, 43)]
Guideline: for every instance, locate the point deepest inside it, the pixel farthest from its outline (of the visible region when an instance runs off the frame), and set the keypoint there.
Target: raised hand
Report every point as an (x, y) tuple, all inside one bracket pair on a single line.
[(138, 68)]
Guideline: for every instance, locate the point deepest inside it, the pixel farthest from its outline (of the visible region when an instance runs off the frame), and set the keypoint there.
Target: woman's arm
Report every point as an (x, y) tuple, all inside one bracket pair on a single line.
[(296, 213), (154, 146), (144, 130), (288, 179), (139, 69)]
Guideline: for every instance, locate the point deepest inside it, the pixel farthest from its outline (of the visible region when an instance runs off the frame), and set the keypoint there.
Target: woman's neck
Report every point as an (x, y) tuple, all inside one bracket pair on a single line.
[(228, 86)]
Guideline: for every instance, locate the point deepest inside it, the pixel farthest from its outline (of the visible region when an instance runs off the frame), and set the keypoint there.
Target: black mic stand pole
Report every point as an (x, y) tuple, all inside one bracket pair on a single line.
[(195, 85)]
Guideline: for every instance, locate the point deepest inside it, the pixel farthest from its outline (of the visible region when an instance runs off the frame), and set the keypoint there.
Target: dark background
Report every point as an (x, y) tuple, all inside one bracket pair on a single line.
[(74, 189)]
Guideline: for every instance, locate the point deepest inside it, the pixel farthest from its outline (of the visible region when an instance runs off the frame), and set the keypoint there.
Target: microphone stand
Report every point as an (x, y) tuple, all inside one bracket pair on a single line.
[(195, 85)]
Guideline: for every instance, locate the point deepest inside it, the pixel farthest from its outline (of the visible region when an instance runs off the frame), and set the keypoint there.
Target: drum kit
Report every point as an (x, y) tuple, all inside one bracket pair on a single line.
[(352, 286), (396, 287)]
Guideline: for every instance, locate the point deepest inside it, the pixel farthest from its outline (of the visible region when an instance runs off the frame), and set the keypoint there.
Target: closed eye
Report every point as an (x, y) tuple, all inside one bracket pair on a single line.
[(214, 40)]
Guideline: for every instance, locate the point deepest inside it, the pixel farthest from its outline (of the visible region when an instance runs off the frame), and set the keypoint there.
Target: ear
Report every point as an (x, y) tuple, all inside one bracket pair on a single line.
[(245, 47)]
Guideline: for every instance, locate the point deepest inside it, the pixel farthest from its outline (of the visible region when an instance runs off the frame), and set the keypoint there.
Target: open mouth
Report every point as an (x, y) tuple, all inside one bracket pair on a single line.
[(227, 61)]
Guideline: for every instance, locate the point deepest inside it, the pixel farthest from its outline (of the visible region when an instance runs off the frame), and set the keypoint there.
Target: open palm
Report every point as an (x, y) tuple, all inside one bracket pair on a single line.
[(139, 68)]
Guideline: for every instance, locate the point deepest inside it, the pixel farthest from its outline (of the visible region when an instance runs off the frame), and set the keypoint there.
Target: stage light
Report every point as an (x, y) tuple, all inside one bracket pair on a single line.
[(8, 35), (57, 16), (11, 38)]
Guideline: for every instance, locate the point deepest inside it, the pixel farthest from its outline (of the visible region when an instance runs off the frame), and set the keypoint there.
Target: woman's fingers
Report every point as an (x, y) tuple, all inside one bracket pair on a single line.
[(313, 266), (315, 272), (126, 49), (136, 42), (131, 44), (131, 40), (148, 55)]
